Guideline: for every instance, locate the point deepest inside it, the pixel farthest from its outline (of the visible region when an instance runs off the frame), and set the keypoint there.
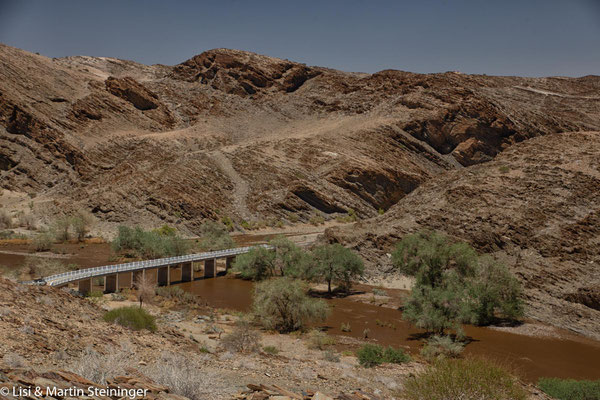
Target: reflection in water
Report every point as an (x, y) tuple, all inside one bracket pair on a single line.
[(532, 357)]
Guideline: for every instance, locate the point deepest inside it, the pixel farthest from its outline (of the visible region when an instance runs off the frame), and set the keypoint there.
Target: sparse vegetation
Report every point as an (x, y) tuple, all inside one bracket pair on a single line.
[(227, 222), (131, 317), (272, 350), (180, 374), (318, 339), (243, 339), (454, 284), (215, 236), (345, 327), (282, 304), (43, 241), (145, 289), (441, 346), (468, 379), (317, 219), (6, 221), (37, 267), (98, 367), (135, 242), (570, 389), (331, 356), (177, 294), (370, 355), (82, 222), (336, 264), (62, 228)]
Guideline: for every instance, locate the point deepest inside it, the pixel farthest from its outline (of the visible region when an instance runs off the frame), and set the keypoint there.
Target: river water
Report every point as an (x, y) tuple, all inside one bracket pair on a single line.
[(530, 357)]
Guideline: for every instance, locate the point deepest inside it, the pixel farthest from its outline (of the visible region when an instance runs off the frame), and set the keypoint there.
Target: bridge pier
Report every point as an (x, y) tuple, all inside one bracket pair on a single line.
[(85, 286), (229, 262), (164, 276), (111, 283), (210, 268), (187, 272)]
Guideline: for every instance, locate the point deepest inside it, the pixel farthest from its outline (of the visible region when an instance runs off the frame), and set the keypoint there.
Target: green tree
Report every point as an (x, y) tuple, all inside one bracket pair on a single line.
[(453, 284), (290, 259), (282, 304), (336, 264), (257, 264), (215, 236)]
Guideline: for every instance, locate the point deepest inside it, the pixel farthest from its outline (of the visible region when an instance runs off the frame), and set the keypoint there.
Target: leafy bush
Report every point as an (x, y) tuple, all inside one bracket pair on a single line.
[(215, 236), (319, 340), (282, 304), (243, 339), (370, 355), (132, 317), (467, 379), (570, 389), (441, 346), (81, 222), (176, 293), (43, 241), (257, 264), (148, 244), (62, 228), (337, 264), (286, 259), (454, 284), (271, 350)]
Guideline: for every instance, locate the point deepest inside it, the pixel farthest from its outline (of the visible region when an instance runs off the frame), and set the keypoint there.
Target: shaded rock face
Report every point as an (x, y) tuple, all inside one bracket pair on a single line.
[(137, 143), (535, 207), (130, 90)]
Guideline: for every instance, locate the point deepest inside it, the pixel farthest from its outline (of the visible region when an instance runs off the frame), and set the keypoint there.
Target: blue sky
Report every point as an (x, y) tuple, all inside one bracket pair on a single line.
[(526, 37)]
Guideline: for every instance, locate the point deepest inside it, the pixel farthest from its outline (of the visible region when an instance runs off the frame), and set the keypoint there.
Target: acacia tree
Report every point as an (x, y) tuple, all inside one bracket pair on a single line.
[(336, 264), (453, 285), (81, 222), (282, 304)]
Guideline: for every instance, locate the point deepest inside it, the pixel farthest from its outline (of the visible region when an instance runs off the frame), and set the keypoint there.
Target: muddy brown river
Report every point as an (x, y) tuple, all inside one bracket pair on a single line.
[(531, 357)]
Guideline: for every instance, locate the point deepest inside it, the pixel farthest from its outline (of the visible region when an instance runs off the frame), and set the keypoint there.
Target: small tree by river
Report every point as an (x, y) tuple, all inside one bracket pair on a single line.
[(454, 284), (282, 304)]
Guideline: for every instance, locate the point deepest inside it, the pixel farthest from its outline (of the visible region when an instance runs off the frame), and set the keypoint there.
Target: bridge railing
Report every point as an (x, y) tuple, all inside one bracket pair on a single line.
[(66, 277)]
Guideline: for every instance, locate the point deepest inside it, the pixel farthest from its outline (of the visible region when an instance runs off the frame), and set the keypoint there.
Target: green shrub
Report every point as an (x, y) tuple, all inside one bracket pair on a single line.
[(131, 317), (317, 219), (370, 355), (43, 241), (215, 236), (136, 242), (441, 346), (82, 222), (271, 350), (453, 284), (282, 304), (178, 294), (570, 389), (62, 228), (319, 340), (256, 265), (381, 211), (165, 230), (465, 379), (226, 220)]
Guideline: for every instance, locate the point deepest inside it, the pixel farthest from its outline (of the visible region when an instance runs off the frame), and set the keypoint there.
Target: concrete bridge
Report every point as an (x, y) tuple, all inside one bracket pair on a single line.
[(159, 269)]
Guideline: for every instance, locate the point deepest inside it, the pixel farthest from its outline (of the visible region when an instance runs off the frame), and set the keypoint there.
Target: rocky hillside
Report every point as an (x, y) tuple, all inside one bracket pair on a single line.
[(252, 137), (536, 207)]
